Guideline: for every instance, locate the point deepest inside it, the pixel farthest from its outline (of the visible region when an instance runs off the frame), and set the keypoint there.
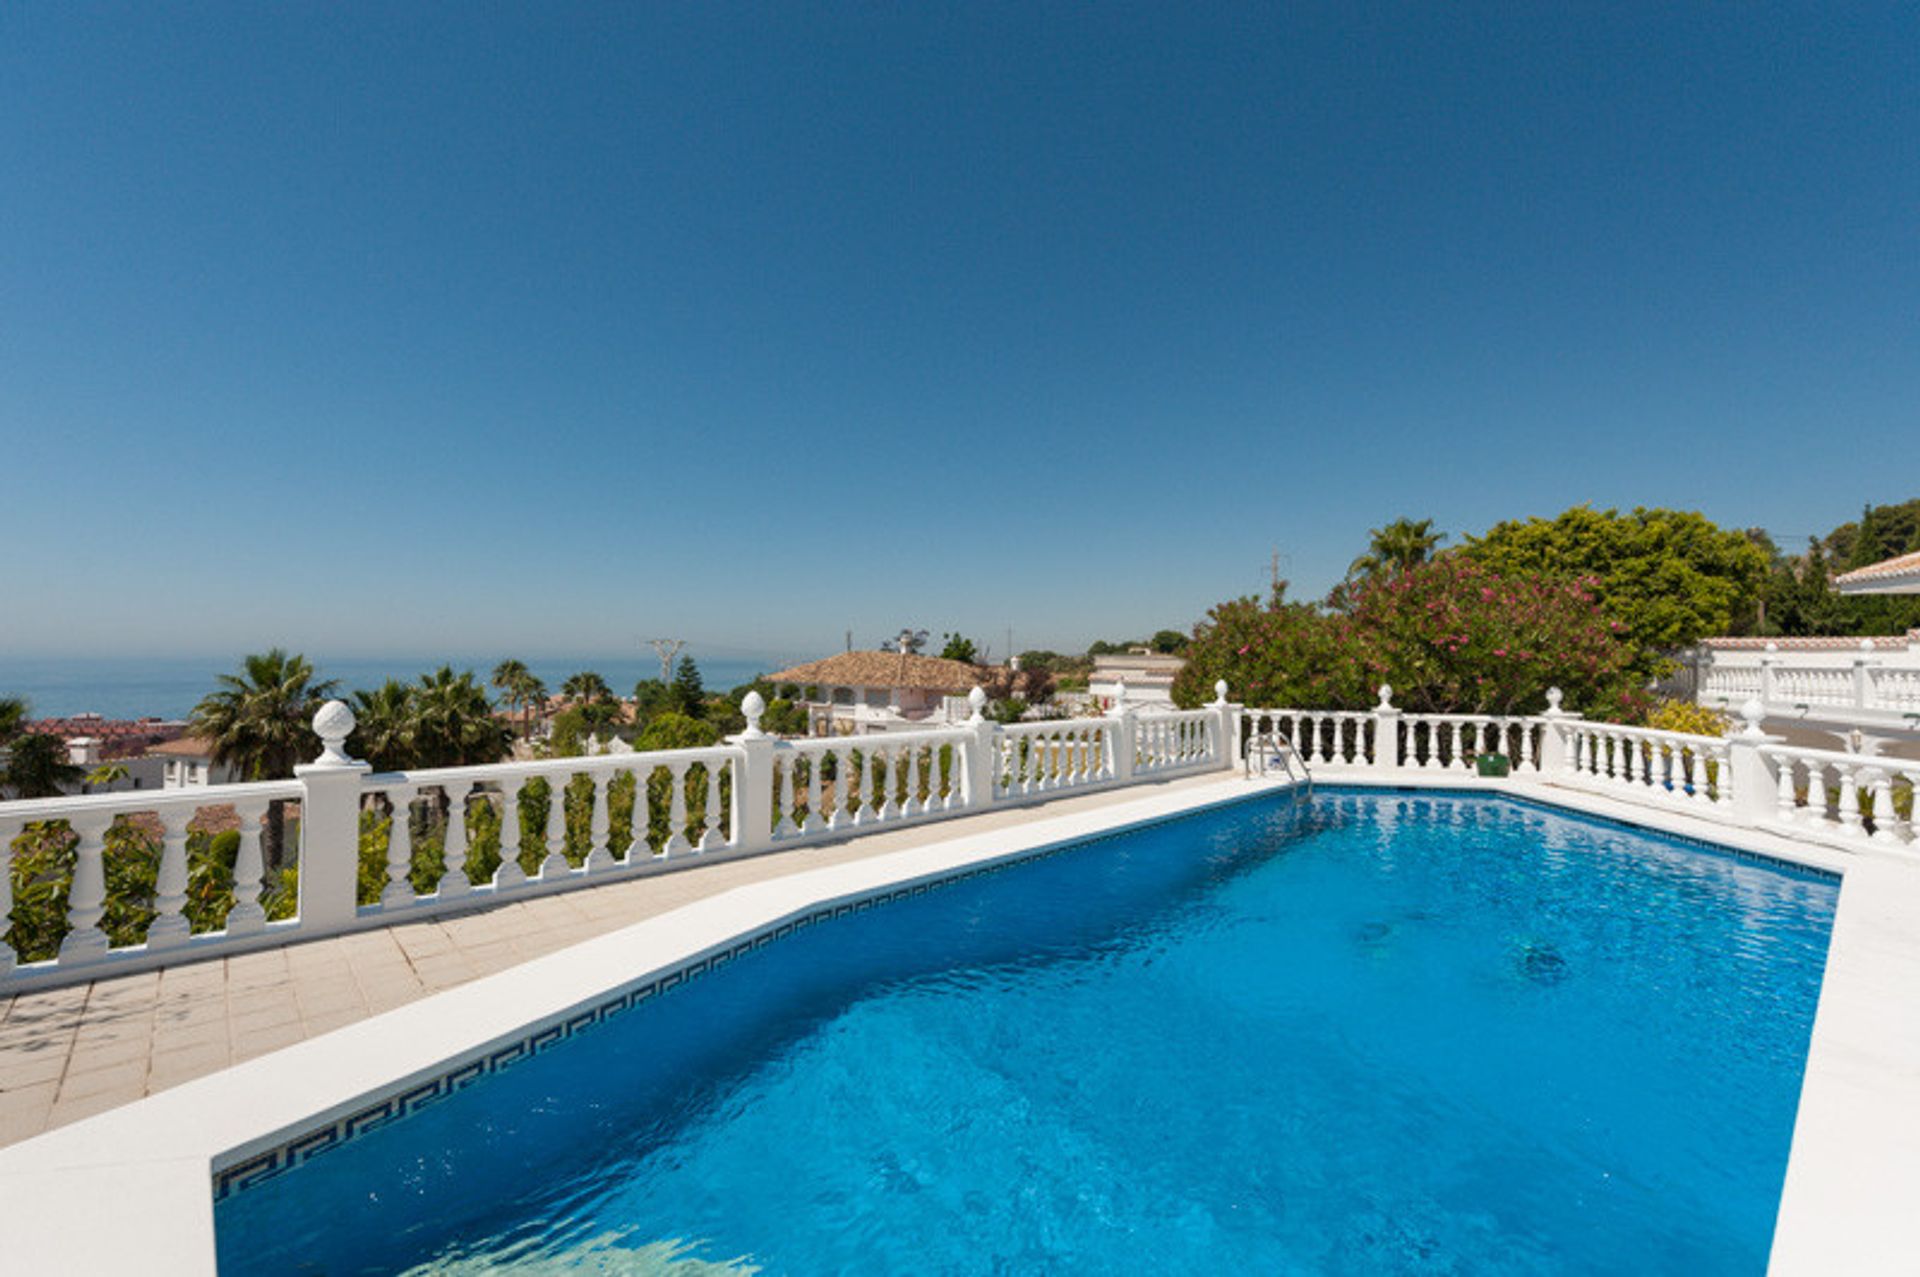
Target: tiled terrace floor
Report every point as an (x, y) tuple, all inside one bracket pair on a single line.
[(69, 1053)]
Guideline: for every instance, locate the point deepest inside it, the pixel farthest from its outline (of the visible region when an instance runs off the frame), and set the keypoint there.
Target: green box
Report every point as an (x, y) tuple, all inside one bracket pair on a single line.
[(1492, 764)]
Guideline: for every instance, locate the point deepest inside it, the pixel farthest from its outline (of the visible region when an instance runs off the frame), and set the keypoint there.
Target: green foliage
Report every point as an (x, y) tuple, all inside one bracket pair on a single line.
[(1165, 642), (1402, 544), (677, 731), (260, 721), (586, 687), (959, 648), (784, 718), (1450, 636), (1007, 709), (1800, 597), (1670, 577), (442, 721), (689, 693), (37, 767), (1687, 717), (13, 718)]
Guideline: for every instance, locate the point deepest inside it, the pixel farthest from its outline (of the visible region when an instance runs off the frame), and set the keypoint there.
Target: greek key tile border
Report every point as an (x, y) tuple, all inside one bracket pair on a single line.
[(303, 1148)]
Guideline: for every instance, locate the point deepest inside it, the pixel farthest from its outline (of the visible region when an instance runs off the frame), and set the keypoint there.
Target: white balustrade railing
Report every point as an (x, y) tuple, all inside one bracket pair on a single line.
[(1452, 742), (1854, 797), (836, 784), (1176, 741), (119, 882), (1649, 764), (1871, 683), (1039, 758), (136, 879)]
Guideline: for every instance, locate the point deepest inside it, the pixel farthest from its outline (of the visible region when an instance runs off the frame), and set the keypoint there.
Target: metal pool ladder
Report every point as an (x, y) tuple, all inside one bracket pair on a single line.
[(1270, 750)]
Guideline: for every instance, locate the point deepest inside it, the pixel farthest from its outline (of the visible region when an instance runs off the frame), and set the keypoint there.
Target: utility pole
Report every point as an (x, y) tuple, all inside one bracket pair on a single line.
[(667, 648)]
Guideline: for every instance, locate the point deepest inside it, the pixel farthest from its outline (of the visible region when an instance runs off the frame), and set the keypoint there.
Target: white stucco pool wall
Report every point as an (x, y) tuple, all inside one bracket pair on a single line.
[(1852, 1177)]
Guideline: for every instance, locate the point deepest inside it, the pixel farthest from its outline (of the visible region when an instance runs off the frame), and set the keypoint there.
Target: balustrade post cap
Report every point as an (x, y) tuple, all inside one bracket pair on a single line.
[(1753, 711), (1772, 649), (1220, 691), (1554, 697), (753, 705), (1386, 696), (1866, 647), (333, 723), (977, 703)]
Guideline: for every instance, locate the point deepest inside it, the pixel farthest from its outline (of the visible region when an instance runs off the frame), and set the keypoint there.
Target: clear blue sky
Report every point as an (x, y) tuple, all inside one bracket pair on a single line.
[(367, 328)]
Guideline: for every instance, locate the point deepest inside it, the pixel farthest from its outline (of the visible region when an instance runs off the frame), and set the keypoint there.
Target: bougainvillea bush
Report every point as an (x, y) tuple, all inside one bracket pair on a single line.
[(1450, 636)]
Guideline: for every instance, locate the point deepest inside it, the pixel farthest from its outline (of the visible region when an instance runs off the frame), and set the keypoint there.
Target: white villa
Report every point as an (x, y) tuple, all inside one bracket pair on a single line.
[(856, 693), (1148, 677)]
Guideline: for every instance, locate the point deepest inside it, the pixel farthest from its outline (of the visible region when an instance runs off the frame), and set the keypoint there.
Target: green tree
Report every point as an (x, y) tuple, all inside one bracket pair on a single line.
[(586, 688), (383, 721), (689, 693), (1402, 544), (1168, 642), (37, 766), (677, 731), (959, 648), (107, 775), (452, 724), (13, 718), (1670, 577), (521, 689), (260, 724)]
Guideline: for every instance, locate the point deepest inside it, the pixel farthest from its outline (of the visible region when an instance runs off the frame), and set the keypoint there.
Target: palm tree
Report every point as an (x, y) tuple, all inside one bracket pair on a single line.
[(1402, 544), (107, 775), (521, 690), (13, 718), (586, 687), (260, 725), (383, 722), (533, 696), (37, 766), (452, 723)]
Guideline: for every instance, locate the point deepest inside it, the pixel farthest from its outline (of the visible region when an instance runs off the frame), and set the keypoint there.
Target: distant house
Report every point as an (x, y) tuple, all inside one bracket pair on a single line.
[(188, 763), (859, 692), (1149, 677), (1898, 575)]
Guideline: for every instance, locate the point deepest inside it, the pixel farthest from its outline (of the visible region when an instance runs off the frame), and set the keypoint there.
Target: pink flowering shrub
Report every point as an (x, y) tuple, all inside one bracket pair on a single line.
[(1449, 635)]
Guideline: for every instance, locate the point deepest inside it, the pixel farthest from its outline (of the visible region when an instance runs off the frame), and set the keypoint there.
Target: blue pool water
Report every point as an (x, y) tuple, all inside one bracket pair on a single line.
[(1373, 1033)]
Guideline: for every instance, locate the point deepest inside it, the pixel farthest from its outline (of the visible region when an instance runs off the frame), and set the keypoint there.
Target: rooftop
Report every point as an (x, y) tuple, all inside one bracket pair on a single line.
[(887, 669)]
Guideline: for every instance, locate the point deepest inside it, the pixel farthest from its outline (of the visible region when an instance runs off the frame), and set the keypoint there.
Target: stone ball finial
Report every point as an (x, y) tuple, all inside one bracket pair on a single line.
[(1866, 647), (1386, 696), (1220, 691), (1753, 711), (977, 701), (1554, 697), (1773, 649), (333, 723)]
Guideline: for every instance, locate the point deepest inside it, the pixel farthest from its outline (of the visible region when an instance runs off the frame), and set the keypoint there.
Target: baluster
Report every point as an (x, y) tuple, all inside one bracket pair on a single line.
[(1634, 763), (1885, 818), (1784, 799), (843, 808), (1459, 760), (816, 821), (87, 899), (1849, 800), (713, 839), (677, 843), (510, 875), (1816, 809), (455, 882), (169, 926), (1662, 762), (1723, 769), (869, 810), (399, 891), (246, 916), (786, 828), (888, 760), (1695, 775), (1579, 753), (555, 864), (600, 827), (915, 805), (9, 830)]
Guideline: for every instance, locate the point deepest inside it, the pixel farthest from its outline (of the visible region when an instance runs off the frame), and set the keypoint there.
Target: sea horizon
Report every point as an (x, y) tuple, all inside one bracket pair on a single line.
[(168, 687)]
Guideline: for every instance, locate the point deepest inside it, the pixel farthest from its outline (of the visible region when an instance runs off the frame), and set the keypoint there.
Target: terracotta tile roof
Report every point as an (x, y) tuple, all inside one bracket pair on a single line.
[(1812, 643), (887, 669), (1898, 565), (185, 747)]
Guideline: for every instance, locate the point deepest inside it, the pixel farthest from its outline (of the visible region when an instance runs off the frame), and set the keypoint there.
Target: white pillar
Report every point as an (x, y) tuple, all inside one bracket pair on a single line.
[(1226, 725), (1769, 676), (1124, 739), (1863, 675), (975, 757), (1386, 731), (1755, 788), (330, 825), (753, 781)]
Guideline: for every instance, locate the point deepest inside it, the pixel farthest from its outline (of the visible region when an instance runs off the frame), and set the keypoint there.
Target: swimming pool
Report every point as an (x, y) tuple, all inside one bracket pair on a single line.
[(1374, 1032)]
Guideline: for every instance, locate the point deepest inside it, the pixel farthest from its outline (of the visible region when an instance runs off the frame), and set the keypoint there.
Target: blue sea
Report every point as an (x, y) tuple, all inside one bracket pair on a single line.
[(1375, 1033), (169, 687)]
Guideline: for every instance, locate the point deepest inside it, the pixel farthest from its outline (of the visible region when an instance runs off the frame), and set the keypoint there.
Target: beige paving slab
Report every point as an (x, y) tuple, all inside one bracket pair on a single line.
[(68, 1053)]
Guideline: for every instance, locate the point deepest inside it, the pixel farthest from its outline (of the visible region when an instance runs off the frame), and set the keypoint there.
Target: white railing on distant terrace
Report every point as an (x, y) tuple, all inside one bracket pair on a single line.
[(125, 881), (148, 884), (1870, 682)]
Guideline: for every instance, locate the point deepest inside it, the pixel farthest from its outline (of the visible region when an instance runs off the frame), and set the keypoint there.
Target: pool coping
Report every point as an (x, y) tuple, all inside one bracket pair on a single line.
[(1851, 1173)]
